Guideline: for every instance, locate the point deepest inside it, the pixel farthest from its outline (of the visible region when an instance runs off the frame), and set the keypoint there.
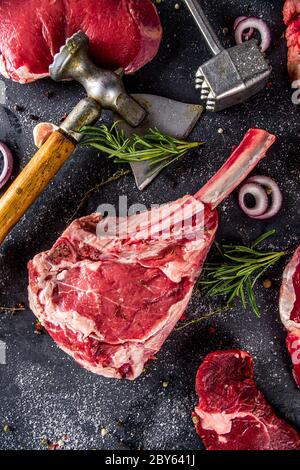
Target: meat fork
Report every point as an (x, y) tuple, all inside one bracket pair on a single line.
[(233, 75)]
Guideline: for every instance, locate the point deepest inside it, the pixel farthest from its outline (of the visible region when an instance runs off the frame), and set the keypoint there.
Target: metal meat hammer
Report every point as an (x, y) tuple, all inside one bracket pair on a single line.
[(233, 75), (104, 89)]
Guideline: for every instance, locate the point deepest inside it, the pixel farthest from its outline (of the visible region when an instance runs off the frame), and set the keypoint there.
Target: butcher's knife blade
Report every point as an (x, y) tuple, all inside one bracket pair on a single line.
[(170, 117)]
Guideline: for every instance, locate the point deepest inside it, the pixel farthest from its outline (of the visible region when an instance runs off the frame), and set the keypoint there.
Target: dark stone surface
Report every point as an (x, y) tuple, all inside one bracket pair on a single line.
[(43, 392)]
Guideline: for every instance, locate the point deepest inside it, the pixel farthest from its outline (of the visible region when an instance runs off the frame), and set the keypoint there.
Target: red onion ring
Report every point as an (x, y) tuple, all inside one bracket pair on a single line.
[(257, 186), (7, 164), (260, 196), (276, 195), (249, 34), (255, 23)]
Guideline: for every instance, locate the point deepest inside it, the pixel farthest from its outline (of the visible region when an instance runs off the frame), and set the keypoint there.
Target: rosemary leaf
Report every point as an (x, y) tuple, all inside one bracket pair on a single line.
[(238, 270), (262, 238)]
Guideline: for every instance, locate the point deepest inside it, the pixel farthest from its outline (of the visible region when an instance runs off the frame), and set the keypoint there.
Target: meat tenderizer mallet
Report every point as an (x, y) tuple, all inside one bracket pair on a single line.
[(233, 75)]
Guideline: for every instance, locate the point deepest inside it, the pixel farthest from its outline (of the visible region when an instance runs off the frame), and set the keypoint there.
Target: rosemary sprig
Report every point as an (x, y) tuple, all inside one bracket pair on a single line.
[(239, 269), (115, 177), (18, 308), (205, 317), (155, 146)]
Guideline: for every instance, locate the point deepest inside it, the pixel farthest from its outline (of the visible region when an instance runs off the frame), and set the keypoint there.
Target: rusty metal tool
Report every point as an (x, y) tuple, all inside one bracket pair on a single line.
[(105, 90)]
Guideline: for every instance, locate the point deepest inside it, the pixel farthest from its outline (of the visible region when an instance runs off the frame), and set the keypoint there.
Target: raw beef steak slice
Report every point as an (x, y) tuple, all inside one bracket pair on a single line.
[(289, 306), (232, 413), (122, 33), (111, 301), (291, 14)]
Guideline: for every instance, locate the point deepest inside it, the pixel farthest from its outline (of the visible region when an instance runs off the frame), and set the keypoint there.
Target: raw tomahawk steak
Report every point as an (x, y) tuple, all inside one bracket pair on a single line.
[(232, 413), (291, 14), (111, 301), (122, 33), (290, 310)]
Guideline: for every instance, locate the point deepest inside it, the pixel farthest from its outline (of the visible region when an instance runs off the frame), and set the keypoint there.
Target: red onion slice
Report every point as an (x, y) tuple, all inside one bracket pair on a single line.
[(246, 35), (260, 196), (255, 23), (276, 196), (238, 20), (8, 163)]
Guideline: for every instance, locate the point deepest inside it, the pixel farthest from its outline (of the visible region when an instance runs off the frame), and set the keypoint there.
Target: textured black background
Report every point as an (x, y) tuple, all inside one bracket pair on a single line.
[(43, 392)]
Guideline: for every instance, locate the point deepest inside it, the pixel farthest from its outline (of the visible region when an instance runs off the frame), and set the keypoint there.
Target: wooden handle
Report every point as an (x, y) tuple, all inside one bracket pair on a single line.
[(32, 181)]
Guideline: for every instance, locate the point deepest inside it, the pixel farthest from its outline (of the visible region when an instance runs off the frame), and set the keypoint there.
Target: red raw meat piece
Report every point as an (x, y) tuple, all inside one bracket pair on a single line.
[(111, 301), (232, 413), (289, 305), (122, 33), (291, 14)]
